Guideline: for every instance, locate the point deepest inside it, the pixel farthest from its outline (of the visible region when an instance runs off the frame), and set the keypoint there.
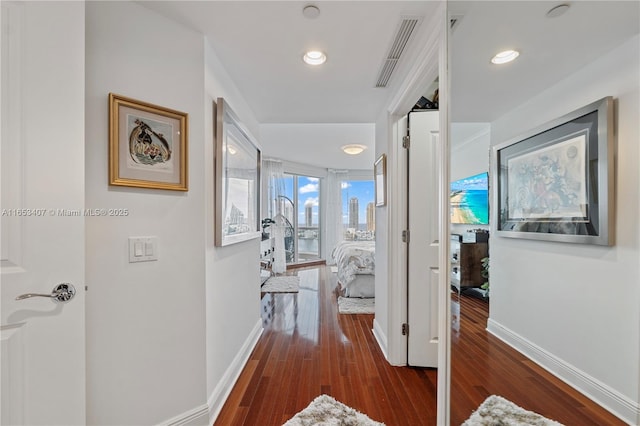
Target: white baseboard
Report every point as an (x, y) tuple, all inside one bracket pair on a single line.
[(225, 385), (195, 417), (610, 399), (381, 338)]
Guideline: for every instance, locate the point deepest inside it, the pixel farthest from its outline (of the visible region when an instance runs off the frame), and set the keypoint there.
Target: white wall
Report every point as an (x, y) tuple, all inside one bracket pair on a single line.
[(145, 321), (232, 272), (576, 307), (381, 321)]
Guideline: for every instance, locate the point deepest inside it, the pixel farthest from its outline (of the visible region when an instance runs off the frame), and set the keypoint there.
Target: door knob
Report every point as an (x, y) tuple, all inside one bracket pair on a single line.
[(62, 293)]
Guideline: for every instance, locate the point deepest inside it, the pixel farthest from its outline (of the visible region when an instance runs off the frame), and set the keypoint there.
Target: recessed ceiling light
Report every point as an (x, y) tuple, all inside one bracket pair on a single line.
[(314, 57), (557, 10), (353, 149), (504, 57)]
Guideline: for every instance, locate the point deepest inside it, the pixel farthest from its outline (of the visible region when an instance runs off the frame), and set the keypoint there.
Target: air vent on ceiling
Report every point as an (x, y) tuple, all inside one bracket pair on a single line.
[(400, 41)]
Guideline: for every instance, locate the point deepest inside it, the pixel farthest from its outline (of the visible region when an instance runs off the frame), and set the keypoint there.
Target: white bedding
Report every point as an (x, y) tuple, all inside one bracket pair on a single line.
[(356, 266)]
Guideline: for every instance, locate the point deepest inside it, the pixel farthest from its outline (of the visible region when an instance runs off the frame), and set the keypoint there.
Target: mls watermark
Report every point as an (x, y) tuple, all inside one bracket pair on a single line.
[(23, 212)]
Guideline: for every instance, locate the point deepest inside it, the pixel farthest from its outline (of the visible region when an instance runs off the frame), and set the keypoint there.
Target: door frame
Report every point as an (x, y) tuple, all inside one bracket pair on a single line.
[(432, 63)]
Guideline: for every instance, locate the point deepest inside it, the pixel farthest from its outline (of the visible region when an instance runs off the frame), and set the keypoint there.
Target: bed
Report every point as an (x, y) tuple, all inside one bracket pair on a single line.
[(355, 261)]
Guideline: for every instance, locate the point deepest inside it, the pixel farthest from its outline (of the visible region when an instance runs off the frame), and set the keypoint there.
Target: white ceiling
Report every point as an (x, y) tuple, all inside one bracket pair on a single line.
[(261, 44), (550, 49)]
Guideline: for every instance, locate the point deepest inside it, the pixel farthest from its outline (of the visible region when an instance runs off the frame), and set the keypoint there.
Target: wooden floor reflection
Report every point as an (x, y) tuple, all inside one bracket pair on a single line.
[(308, 349), (482, 365)]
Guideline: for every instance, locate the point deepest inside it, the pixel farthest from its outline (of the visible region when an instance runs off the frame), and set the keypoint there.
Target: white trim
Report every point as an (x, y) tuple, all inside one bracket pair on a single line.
[(300, 169), (225, 385), (443, 410), (397, 249), (380, 337), (425, 70), (193, 417), (610, 399)]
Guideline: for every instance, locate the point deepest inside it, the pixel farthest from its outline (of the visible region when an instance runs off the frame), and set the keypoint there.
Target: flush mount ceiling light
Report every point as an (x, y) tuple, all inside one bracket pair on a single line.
[(353, 149), (557, 10), (504, 57), (311, 11), (314, 57)]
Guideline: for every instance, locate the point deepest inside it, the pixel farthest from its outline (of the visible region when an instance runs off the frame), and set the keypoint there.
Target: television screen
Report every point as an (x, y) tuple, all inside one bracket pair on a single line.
[(470, 200)]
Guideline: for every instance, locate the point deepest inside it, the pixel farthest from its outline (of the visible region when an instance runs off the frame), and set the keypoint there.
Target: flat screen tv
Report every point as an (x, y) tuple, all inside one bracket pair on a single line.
[(470, 200)]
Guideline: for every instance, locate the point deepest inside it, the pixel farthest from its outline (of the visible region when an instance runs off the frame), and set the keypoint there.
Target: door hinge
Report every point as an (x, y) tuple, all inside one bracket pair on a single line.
[(405, 329), (406, 141), (405, 236)]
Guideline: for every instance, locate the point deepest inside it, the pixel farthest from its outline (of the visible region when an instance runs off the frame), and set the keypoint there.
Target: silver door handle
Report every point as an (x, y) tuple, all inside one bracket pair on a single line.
[(62, 293)]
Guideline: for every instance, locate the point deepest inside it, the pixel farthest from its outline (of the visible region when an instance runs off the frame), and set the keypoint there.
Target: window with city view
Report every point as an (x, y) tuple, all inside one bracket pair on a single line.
[(302, 201), (358, 210)]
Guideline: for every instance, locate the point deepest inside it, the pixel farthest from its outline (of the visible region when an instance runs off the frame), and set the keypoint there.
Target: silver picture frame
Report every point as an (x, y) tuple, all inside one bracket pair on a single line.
[(237, 179), (556, 182)]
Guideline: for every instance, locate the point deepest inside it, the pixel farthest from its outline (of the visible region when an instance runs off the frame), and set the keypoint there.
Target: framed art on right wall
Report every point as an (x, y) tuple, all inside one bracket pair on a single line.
[(555, 182)]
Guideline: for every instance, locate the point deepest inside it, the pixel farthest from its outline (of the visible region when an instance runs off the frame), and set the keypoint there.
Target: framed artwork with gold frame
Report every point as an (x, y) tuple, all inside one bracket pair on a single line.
[(147, 145)]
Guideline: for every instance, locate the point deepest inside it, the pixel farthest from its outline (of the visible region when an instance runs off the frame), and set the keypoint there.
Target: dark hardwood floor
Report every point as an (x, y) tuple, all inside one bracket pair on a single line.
[(308, 349), (482, 365)]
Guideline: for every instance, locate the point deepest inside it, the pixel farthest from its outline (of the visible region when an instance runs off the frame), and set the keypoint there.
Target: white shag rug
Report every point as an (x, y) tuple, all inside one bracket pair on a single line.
[(356, 305), (325, 410), (496, 410), (282, 284)]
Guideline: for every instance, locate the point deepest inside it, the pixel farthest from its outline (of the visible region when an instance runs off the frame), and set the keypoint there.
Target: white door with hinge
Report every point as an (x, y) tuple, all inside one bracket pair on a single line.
[(42, 202), (423, 244)]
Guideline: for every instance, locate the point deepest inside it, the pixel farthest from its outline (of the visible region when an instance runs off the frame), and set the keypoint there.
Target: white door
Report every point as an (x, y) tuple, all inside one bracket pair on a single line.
[(422, 310), (42, 201)]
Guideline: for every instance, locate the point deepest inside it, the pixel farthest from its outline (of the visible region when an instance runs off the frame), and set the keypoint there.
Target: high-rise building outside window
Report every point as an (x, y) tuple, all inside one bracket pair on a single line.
[(353, 213), (371, 217), (302, 209), (358, 209)]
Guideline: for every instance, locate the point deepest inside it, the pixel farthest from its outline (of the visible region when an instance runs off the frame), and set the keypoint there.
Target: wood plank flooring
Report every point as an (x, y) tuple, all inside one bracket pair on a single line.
[(482, 365), (308, 349)]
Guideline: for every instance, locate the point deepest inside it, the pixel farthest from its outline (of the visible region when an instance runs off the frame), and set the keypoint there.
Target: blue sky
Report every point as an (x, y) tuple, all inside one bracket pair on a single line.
[(309, 195)]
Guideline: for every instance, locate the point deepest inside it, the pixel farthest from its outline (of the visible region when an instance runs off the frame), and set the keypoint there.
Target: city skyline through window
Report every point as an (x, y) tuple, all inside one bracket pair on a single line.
[(303, 200), (358, 209)]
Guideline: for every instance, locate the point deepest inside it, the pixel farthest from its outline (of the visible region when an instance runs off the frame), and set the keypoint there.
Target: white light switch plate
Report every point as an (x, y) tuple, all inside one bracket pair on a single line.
[(143, 249)]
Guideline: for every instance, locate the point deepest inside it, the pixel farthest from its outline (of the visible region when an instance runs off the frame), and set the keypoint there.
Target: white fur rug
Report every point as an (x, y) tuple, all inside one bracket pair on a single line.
[(356, 305), (496, 410), (325, 410), (282, 284)]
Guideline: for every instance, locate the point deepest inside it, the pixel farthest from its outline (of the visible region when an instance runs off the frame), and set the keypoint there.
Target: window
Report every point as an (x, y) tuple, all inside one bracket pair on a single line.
[(358, 210), (302, 209)]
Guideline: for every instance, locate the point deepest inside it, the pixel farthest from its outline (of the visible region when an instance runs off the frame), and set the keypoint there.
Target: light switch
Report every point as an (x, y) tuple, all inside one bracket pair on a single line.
[(143, 249)]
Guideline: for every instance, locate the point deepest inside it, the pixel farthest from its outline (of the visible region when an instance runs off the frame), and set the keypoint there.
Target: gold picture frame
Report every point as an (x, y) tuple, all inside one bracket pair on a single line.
[(380, 179), (148, 145)]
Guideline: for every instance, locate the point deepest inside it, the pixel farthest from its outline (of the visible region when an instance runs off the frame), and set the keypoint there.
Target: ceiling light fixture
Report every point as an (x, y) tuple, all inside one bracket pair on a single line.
[(311, 11), (353, 149), (504, 57), (557, 10), (314, 57)]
